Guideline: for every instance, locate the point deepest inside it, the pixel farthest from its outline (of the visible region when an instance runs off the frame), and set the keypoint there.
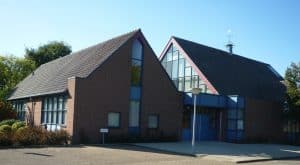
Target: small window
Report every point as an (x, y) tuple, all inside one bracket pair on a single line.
[(240, 124), (113, 119), (153, 121)]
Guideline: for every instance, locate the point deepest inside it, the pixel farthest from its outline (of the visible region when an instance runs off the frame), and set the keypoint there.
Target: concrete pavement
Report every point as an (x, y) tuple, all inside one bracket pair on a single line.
[(237, 153)]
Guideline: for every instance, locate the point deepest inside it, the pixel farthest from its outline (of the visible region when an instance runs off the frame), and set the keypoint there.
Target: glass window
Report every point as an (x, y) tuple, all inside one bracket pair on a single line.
[(231, 114), (240, 124), (175, 55), (195, 82), (169, 68), (134, 114), (153, 121), (180, 55), (169, 56), (54, 103), (136, 72), (137, 50), (187, 84), (181, 84), (232, 124), (175, 69), (194, 72), (113, 119), (181, 68), (60, 103), (188, 71), (135, 93)]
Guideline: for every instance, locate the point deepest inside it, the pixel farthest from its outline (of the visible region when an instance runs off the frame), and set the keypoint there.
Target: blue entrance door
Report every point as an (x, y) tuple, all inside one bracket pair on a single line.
[(205, 128)]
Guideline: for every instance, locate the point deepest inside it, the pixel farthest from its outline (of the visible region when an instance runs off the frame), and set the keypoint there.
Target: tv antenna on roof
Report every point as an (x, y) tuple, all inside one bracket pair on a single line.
[(229, 44)]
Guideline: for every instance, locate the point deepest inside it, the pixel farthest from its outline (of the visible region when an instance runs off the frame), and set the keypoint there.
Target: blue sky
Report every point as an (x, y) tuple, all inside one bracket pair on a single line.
[(268, 31)]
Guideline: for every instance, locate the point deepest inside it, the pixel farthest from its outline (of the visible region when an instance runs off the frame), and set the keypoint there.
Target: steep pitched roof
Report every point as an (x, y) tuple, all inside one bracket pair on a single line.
[(234, 74), (52, 77)]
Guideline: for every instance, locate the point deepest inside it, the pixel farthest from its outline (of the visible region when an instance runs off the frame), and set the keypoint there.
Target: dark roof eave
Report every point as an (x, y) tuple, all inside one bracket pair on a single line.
[(38, 94)]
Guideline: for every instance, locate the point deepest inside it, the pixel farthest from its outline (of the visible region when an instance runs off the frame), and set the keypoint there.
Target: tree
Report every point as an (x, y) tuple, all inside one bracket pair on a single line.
[(6, 111), (47, 52), (292, 81), (12, 71)]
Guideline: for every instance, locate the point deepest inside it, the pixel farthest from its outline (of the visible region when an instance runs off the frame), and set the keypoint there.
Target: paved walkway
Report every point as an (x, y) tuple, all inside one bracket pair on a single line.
[(228, 151)]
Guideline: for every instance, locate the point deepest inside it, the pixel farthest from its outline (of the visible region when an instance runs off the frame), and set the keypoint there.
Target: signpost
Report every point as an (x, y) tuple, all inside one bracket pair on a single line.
[(103, 131)]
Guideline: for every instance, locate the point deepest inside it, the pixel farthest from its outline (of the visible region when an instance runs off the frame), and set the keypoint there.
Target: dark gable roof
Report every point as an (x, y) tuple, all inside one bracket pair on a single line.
[(52, 77), (234, 74)]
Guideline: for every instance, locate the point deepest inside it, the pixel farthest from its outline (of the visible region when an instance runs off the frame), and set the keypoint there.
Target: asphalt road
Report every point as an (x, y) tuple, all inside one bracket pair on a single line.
[(111, 154)]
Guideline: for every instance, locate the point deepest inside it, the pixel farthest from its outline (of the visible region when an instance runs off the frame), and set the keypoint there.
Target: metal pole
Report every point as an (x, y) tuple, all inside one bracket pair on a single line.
[(102, 138), (194, 122)]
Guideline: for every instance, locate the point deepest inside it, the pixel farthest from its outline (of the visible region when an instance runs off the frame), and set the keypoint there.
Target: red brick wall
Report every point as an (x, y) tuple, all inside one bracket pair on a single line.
[(263, 121), (107, 90)]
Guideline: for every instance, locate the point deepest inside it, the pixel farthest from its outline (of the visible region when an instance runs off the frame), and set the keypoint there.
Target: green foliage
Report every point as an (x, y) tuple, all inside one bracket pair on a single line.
[(12, 71), (6, 111), (5, 129), (8, 122), (48, 52), (292, 81), (18, 125)]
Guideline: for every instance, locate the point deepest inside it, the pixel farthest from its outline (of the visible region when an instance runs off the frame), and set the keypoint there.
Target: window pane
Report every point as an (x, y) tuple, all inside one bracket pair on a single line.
[(113, 119), (194, 73), (54, 103), (59, 117), (188, 71), (60, 103), (169, 56), (232, 124), (187, 84), (137, 50), (64, 114), (135, 93), (240, 114), (195, 82), (135, 72), (181, 84), (50, 104), (134, 114), (169, 68), (180, 55), (181, 68), (46, 103), (231, 114), (240, 124), (49, 117), (175, 55), (153, 121), (175, 69), (54, 117)]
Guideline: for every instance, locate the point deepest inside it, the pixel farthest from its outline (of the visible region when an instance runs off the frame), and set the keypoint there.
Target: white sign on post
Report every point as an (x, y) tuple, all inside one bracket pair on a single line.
[(103, 131)]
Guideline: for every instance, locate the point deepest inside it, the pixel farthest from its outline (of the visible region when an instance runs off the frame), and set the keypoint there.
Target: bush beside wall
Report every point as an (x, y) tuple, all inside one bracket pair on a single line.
[(13, 132)]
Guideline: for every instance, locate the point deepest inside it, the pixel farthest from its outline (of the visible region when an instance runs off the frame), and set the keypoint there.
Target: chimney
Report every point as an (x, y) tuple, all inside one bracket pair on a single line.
[(229, 44), (230, 47)]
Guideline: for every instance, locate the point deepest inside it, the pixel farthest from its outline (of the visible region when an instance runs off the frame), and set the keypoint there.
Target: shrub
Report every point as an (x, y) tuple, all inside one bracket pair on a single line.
[(6, 111), (6, 129), (17, 125), (30, 136), (5, 139), (8, 122), (58, 137)]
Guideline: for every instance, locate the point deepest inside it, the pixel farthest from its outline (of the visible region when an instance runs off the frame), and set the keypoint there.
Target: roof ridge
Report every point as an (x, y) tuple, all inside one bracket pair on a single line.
[(95, 45), (220, 50)]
